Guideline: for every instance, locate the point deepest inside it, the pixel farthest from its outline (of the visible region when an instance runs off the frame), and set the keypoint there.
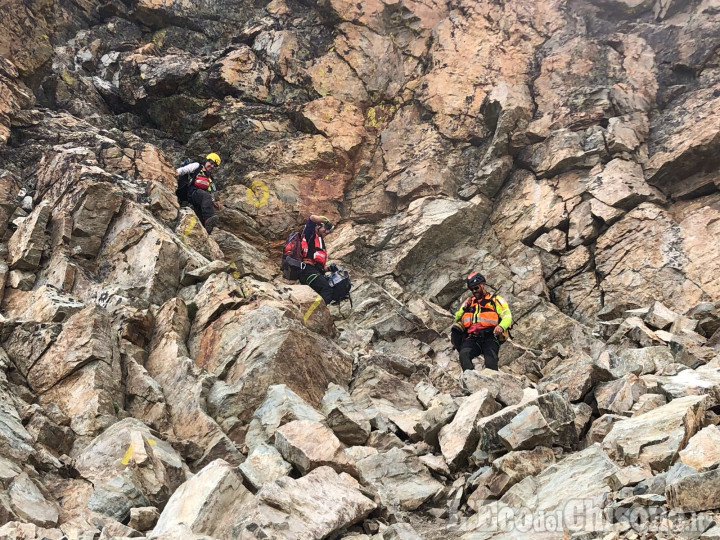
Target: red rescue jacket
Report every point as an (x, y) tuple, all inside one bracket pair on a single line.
[(319, 256), (203, 180)]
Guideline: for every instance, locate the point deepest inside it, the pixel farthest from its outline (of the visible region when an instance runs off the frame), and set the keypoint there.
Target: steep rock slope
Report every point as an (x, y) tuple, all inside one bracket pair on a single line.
[(158, 381)]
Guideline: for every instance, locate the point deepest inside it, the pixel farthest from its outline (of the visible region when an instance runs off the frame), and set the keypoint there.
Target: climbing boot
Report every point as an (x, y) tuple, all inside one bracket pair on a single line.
[(210, 223)]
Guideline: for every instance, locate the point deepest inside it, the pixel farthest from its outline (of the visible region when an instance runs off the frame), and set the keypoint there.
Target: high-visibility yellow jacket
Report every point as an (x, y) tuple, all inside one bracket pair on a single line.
[(490, 311)]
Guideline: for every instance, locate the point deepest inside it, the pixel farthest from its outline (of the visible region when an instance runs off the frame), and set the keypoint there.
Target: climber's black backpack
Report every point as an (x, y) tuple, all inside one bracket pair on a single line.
[(292, 256), (184, 181), (340, 282)]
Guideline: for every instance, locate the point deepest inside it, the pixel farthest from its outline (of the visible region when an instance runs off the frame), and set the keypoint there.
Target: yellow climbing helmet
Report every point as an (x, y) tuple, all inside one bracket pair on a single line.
[(212, 156)]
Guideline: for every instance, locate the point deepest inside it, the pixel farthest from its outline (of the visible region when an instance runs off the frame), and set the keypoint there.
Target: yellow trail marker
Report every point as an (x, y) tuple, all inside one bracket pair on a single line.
[(235, 274), (128, 455), (312, 308), (258, 193), (131, 452), (190, 225)]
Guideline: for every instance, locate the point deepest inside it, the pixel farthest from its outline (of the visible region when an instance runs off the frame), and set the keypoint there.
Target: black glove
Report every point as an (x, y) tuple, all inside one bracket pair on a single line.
[(457, 336), (333, 267), (468, 308)]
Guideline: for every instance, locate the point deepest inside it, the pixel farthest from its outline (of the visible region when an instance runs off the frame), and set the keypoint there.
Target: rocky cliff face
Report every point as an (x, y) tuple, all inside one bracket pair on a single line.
[(161, 382)]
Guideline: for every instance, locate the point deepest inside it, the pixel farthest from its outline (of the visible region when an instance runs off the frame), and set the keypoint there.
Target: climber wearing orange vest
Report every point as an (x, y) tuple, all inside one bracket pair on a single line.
[(480, 324), (312, 271)]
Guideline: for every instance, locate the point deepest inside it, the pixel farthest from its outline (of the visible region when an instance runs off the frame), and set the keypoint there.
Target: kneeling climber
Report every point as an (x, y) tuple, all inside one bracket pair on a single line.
[(480, 325), (201, 188), (312, 271)]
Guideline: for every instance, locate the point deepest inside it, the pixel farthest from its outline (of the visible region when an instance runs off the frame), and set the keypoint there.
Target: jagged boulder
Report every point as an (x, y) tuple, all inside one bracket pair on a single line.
[(209, 503), (527, 430), (387, 391), (185, 387), (194, 235), (601, 427), (503, 387), (143, 518), (163, 202), (43, 304), (400, 479), (82, 341), (660, 317), (408, 240), (574, 376), (554, 488), (17, 530), (540, 325), (440, 411), (314, 506), (632, 333), (309, 445), (508, 470), (28, 243), (141, 76), (619, 396), (690, 382), (129, 465), (695, 492), (377, 313), (139, 258), (251, 340), (458, 438), (648, 402), (341, 122), (702, 451), (640, 361), (15, 441), (281, 406), (690, 133), (241, 72), (656, 437), (256, 346), (16, 95), (555, 409), (144, 397), (82, 215), (77, 369), (315, 314), (264, 464), (407, 422), (349, 422), (50, 429), (623, 262), (245, 258), (29, 504)]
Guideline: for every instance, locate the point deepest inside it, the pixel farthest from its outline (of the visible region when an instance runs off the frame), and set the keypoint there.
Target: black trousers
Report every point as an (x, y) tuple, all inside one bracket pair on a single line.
[(473, 346), (202, 202), (312, 276)]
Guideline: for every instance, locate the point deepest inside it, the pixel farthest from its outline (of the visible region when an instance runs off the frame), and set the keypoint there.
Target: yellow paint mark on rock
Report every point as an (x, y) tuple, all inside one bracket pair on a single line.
[(151, 442), (235, 274), (68, 78), (258, 193), (128, 455), (312, 308), (191, 224)]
